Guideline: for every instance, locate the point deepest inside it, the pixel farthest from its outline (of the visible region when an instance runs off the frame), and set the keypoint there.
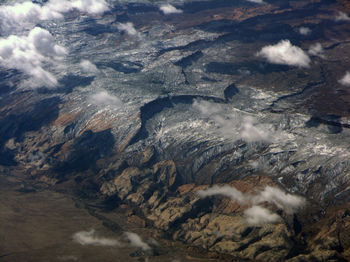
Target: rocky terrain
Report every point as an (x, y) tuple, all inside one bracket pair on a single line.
[(185, 125)]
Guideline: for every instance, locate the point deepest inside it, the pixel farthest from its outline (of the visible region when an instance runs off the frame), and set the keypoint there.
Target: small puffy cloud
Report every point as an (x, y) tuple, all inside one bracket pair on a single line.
[(304, 30), (127, 28), (136, 241), (256, 1), (285, 53), (29, 54), (257, 215), (56, 8), (288, 202), (345, 80), (44, 43), (88, 67), (285, 201), (91, 238), (341, 16), (252, 130), (20, 15), (169, 9), (153, 242), (93, 7), (206, 108), (103, 98), (235, 125), (316, 50), (226, 190)]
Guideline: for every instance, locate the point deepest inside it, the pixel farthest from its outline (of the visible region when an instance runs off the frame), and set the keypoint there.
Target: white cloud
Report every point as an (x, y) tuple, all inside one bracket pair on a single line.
[(29, 54), (256, 1), (288, 202), (169, 9), (91, 238), (24, 14), (286, 54), (257, 215), (341, 16), (93, 7), (252, 130), (127, 28), (55, 9), (316, 50), (345, 80), (44, 43), (235, 125), (88, 67), (34, 53), (136, 241), (104, 98), (153, 242), (225, 190), (207, 108), (304, 30)]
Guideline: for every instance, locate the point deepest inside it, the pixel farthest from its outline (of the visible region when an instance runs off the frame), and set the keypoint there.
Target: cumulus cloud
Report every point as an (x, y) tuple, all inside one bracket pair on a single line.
[(207, 108), (316, 50), (285, 201), (88, 67), (169, 9), (29, 54), (252, 130), (93, 7), (20, 15), (44, 43), (341, 16), (256, 1), (225, 190), (257, 215), (103, 98), (304, 30), (136, 241), (345, 80), (285, 53), (127, 28), (91, 238), (34, 53), (288, 202), (236, 125)]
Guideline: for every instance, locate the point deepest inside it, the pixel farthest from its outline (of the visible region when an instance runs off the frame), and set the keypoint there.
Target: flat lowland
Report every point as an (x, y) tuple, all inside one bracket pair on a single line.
[(39, 224)]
